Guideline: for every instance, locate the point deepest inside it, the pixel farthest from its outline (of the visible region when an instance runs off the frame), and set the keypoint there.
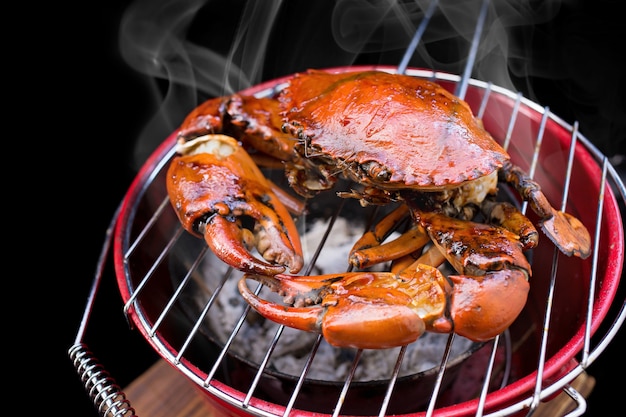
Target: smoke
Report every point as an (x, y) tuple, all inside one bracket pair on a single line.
[(196, 49)]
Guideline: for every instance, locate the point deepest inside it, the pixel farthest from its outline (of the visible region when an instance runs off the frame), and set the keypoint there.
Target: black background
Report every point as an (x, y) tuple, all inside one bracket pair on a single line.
[(87, 109)]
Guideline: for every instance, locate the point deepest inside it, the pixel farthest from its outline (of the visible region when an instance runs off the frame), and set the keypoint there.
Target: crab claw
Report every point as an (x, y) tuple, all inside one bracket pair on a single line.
[(215, 188), (481, 307), (492, 286), (362, 310)]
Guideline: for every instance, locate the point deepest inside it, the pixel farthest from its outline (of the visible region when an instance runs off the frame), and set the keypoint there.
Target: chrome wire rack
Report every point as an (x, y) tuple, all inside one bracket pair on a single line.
[(161, 272)]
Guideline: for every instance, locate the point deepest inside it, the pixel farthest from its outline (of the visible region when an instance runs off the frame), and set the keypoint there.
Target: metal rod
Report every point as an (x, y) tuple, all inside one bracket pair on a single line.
[(485, 388), (153, 219), (104, 253), (178, 291), (570, 164), (512, 119), (263, 365), (392, 382), (194, 330), (408, 54), (153, 268), (303, 374), (461, 88), (594, 264), (346, 385), (440, 373)]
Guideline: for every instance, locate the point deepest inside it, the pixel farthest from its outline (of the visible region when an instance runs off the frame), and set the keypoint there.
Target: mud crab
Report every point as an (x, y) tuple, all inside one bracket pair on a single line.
[(401, 140)]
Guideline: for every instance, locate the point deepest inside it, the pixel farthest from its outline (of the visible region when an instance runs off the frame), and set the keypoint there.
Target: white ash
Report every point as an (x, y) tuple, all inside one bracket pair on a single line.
[(294, 346)]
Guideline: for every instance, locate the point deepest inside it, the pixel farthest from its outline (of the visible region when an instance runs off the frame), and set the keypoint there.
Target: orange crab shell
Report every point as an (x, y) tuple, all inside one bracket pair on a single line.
[(389, 130)]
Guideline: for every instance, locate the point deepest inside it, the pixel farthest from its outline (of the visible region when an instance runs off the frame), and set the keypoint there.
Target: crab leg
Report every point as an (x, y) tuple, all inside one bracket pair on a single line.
[(356, 309), (508, 216), (370, 250), (431, 256), (566, 231), (375, 237), (255, 121), (215, 188)]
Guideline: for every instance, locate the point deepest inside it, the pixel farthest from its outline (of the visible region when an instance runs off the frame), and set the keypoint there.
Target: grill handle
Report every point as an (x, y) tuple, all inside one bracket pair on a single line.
[(105, 393), (103, 390)]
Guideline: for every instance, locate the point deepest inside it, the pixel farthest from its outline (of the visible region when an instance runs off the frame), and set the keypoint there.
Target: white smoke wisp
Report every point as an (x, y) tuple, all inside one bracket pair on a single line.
[(191, 50), (154, 40)]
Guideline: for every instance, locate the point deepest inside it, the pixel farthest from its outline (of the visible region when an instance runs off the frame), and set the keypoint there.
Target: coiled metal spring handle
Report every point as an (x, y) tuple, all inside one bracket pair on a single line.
[(105, 393)]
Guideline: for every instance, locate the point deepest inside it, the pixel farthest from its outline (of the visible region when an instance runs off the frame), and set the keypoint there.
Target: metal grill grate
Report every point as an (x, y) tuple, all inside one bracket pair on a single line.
[(147, 279), (158, 268)]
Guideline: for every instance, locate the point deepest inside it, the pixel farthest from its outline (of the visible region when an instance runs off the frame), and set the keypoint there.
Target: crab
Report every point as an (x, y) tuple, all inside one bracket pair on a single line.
[(400, 140)]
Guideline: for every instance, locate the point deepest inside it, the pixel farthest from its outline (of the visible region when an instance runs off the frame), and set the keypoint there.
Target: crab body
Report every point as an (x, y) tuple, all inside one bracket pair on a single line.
[(398, 139), (388, 131)]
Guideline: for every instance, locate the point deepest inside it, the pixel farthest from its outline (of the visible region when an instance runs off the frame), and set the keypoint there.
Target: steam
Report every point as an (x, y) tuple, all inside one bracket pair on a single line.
[(154, 41), (197, 49)]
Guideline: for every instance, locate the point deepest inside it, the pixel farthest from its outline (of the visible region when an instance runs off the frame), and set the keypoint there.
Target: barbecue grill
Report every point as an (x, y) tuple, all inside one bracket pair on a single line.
[(161, 275)]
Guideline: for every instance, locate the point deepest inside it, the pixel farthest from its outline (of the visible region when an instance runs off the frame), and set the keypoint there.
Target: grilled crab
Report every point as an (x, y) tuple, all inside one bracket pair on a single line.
[(400, 139)]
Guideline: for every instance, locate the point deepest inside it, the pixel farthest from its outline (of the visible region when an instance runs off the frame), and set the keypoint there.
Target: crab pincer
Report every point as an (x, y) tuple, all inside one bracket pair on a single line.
[(216, 189), (491, 287), (362, 310)]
